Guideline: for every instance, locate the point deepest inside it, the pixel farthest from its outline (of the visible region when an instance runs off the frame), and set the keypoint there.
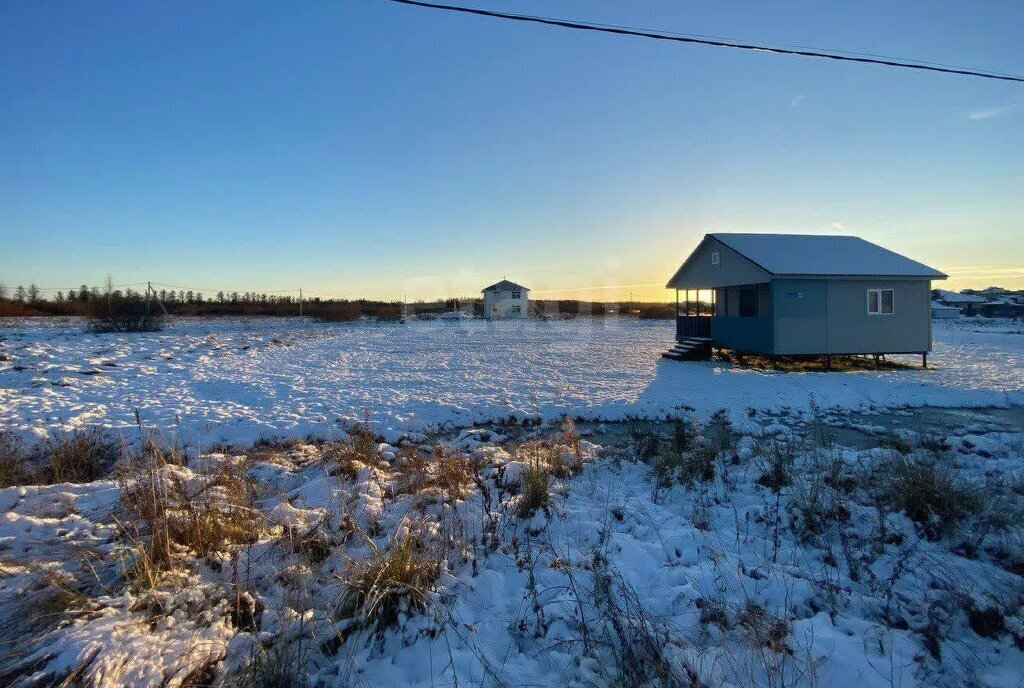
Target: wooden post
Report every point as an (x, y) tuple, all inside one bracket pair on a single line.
[(924, 360)]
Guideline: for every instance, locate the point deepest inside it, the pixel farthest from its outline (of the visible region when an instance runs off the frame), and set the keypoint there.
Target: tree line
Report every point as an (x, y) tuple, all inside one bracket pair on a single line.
[(87, 300)]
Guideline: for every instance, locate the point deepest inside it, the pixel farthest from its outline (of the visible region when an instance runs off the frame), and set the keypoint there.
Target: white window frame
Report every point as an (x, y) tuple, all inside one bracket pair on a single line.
[(878, 295), (517, 294), (716, 258)]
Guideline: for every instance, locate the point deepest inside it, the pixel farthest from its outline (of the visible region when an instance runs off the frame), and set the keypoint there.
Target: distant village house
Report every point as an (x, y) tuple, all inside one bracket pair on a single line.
[(506, 300), (993, 302)]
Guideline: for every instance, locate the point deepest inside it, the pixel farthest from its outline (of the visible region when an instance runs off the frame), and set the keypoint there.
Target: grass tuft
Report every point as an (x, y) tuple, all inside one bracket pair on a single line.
[(929, 492), (535, 481), (169, 514), (79, 457), (776, 461), (361, 448), (378, 588)]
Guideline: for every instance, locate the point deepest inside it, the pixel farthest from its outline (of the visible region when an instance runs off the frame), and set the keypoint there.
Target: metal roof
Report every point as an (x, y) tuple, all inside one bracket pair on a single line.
[(504, 285), (818, 254)]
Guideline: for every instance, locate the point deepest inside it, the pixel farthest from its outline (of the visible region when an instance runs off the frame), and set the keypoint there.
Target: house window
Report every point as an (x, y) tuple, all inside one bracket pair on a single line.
[(516, 295), (748, 302), (880, 301), (515, 310), (716, 258)]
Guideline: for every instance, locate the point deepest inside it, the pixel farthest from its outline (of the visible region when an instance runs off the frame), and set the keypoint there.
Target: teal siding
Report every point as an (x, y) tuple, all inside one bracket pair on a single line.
[(800, 322), (753, 335)]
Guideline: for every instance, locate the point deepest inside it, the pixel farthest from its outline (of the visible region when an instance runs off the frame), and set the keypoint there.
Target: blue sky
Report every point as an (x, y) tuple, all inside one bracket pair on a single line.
[(362, 148)]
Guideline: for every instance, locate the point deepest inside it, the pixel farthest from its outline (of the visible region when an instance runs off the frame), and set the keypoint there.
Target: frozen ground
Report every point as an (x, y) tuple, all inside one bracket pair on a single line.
[(239, 380), (639, 573)]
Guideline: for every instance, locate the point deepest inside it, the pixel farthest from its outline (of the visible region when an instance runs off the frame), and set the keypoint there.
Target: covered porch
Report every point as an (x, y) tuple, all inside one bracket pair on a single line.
[(729, 317)]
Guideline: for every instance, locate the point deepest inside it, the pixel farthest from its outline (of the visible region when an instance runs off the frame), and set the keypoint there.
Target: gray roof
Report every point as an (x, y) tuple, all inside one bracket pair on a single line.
[(954, 297), (817, 254), (504, 285)]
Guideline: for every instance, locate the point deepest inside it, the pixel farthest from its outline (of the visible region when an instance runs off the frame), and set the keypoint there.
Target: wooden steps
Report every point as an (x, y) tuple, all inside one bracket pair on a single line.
[(690, 349)]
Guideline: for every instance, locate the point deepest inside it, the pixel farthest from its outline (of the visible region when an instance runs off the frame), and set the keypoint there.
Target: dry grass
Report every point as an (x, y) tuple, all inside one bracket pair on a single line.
[(812, 364), (535, 482), (571, 438), (77, 456), (378, 588), (12, 461), (445, 469), (671, 465), (168, 515), (776, 460), (762, 629), (928, 490), (46, 598), (360, 449), (452, 471), (280, 666)]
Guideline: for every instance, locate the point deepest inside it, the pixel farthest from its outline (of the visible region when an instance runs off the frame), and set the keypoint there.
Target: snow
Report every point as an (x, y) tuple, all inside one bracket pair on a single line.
[(237, 381), (698, 573), (707, 565), (815, 254)]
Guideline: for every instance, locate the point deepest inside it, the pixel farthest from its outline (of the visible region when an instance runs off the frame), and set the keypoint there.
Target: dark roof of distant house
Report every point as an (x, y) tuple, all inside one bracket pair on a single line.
[(820, 254), (505, 285), (954, 297)]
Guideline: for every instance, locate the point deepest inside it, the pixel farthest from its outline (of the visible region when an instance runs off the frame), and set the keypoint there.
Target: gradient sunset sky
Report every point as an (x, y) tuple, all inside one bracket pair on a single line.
[(359, 148)]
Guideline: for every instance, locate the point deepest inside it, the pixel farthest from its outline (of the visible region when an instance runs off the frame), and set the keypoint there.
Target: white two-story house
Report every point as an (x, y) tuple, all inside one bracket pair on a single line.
[(506, 300)]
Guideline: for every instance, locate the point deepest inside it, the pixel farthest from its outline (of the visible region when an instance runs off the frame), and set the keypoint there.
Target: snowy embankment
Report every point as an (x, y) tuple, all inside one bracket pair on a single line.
[(238, 381), (760, 554)]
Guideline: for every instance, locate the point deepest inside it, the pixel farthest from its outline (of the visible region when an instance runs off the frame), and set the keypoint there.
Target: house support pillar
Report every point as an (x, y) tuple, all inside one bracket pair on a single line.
[(924, 360)]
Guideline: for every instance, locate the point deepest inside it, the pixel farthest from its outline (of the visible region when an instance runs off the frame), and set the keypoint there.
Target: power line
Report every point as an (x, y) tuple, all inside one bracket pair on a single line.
[(719, 43), (179, 286)]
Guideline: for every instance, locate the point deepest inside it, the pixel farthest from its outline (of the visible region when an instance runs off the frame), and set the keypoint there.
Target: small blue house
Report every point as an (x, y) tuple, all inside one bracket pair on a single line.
[(800, 295)]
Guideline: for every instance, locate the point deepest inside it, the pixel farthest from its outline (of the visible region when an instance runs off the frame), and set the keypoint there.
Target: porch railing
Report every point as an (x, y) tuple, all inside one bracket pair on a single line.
[(693, 326)]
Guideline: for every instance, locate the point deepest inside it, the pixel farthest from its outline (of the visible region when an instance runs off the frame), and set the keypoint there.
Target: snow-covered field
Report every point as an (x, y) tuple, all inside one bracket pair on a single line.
[(787, 542), (240, 380)]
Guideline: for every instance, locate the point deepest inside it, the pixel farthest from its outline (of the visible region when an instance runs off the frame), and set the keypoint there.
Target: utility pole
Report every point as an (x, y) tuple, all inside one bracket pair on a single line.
[(150, 289), (300, 302)]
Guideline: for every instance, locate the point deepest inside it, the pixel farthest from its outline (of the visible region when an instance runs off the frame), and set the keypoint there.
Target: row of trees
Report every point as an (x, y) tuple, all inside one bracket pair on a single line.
[(86, 300), (86, 294)]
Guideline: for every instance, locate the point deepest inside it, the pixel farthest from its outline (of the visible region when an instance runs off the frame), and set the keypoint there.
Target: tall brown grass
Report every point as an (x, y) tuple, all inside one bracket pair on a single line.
[(77, 456), (388, 582), (168, 515)]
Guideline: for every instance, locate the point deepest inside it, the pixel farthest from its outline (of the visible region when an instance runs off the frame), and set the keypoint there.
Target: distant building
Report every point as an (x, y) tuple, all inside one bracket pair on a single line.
[(969, 304), (504, 300), (790, 294), (941, 311), (1002, 308)]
